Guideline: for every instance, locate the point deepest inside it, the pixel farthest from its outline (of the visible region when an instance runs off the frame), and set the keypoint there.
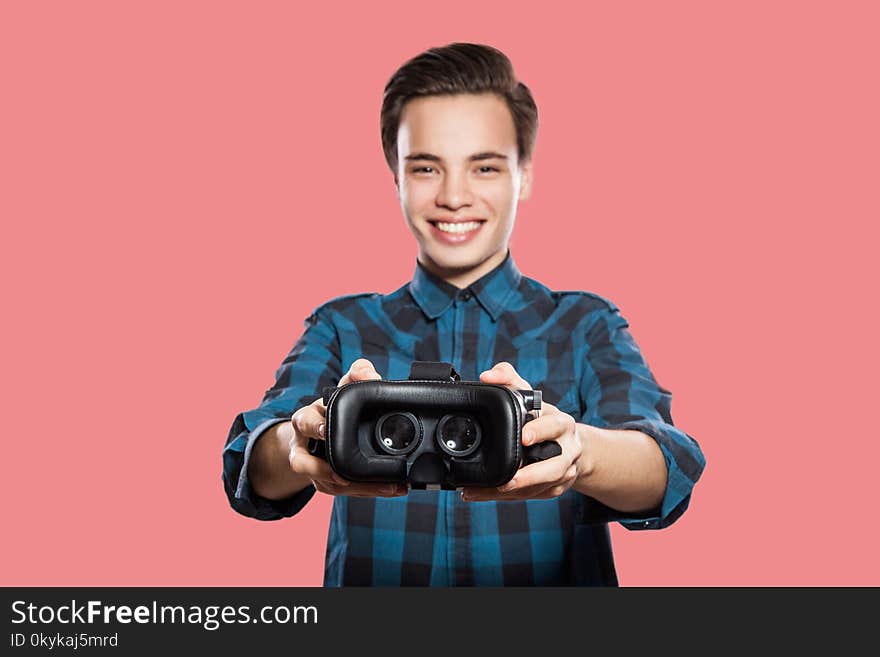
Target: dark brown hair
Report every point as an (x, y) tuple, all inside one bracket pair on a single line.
[(458, 68)]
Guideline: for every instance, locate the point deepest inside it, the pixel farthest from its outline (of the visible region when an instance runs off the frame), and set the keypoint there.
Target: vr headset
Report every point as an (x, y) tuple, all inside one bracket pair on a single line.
[(429, 431)]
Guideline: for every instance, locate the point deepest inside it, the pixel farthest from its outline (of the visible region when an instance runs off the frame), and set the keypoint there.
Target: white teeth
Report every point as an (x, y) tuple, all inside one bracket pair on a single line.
[(458, 227)]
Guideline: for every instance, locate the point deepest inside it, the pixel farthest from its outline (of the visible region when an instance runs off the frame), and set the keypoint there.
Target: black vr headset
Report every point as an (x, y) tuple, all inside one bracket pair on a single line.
[(431, 430)]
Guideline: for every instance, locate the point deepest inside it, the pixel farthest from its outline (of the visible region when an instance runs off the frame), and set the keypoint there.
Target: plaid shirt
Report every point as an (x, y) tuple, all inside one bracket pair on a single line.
[(574, 346)]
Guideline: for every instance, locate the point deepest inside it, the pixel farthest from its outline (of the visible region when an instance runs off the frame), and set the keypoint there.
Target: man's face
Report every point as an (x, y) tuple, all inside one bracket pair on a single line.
[(459, 182)]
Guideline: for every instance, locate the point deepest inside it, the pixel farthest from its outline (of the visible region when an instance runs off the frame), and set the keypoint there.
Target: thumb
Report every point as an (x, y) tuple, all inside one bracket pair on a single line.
[(505, 374), (362, 370)]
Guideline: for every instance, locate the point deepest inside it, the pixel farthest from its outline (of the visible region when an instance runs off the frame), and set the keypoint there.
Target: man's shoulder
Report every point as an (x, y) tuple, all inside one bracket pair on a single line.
[(346, 304), (574, 300)]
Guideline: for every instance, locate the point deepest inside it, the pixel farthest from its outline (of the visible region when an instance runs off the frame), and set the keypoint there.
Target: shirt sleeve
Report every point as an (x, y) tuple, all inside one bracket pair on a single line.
[(312, 364), (620, 392)]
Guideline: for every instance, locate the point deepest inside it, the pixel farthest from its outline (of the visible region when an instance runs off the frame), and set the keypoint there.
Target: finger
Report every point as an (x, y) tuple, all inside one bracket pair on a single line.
[(547, 427), (543, 490), (504, 374), (381, 490), (330, 488), (323, 487), (360, 370), (301, 462), (309, 422), (486, 494), (368, 490), (363, 370), (550, 493), (542, 473), (319, 406), (559, 487)]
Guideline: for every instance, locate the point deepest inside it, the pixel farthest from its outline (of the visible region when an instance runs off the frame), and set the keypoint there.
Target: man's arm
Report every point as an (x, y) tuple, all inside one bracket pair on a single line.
[(625, 454), (281, 465), (312, 363), (624, 470), (270, 472), (622, 399)]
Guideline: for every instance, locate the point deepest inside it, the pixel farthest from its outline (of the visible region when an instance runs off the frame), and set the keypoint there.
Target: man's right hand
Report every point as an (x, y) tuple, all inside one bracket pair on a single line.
[(308, 422)]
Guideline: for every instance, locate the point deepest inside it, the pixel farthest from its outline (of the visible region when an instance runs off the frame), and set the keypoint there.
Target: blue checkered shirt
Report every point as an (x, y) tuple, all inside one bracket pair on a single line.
[(574, 346)]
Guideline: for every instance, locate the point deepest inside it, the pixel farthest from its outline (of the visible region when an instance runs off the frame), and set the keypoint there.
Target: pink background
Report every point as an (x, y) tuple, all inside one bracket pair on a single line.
[(183, 182)]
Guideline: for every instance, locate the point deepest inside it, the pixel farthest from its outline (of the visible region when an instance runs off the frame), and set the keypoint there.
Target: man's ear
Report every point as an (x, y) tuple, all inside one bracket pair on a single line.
[(525, 188)]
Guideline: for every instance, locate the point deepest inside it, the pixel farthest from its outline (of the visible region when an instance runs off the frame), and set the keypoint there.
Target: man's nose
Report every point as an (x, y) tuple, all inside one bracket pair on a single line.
[(454, 192)]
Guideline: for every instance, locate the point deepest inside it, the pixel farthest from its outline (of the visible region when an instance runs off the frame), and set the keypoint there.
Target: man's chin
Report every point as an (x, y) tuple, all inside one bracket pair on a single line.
[(457, 263)]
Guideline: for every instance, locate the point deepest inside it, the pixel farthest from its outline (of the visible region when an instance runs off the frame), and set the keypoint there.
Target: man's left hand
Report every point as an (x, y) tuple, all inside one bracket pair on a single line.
[(544, 479)]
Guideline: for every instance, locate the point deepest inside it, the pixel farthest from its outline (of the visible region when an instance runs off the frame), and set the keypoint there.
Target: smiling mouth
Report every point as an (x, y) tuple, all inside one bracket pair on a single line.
[(457, 227)]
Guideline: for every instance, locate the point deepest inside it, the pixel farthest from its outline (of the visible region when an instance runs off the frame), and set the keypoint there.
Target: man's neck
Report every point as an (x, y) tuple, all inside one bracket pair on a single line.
[(462, 278)]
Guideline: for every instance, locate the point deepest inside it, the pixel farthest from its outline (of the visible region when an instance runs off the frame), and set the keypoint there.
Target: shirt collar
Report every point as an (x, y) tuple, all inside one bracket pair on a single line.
[(434, 295)]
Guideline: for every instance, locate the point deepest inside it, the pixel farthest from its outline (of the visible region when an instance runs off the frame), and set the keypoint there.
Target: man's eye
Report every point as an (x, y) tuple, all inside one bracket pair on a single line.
[(487, 169), (423, 170)]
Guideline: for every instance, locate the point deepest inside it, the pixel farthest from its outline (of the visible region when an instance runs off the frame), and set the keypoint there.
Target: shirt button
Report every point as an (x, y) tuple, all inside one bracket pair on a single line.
[(466, 295)]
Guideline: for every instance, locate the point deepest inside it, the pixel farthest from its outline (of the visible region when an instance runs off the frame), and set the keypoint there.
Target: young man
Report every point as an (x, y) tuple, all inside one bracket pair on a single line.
[(458, 131)]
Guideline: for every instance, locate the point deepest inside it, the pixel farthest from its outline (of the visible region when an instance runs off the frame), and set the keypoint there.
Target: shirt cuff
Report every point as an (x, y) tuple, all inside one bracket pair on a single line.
[(249, 503), (684, 465)]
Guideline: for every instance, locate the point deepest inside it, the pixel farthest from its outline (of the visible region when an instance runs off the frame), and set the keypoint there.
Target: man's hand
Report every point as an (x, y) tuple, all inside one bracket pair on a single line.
[(545, 479), (308, 422)]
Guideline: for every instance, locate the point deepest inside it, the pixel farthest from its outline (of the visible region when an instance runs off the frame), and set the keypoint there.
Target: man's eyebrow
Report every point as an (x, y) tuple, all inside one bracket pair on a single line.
[(422, 156), (485, 155)]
